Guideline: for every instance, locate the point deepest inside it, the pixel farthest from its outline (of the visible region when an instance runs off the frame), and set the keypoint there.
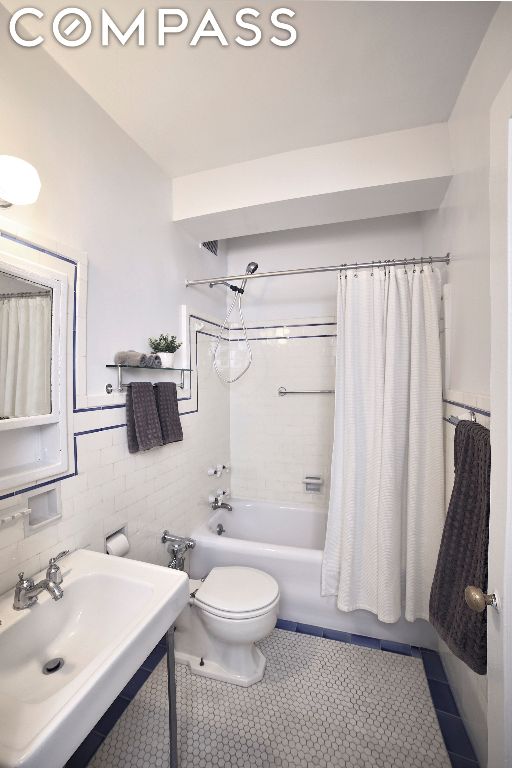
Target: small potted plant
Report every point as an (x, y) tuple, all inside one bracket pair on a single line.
[(165, 346)]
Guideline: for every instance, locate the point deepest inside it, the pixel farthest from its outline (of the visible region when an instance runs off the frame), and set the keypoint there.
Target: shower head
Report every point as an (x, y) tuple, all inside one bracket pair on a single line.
[(251, 268)]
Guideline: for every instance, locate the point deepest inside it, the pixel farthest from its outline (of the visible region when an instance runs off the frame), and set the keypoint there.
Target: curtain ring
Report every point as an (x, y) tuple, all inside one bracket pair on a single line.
[(421, 270), (355, 274), (371, 273), (431, 265)]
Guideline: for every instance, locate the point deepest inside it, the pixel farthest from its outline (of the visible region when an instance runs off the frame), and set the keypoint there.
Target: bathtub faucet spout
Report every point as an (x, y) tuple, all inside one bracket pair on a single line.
[(216, 504)]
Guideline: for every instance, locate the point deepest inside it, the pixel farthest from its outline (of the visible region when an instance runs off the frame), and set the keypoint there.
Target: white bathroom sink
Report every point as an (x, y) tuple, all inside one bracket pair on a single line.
[(113, 613)]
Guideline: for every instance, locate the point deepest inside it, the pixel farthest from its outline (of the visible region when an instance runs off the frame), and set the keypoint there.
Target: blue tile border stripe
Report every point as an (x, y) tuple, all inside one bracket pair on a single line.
[(452, 727)]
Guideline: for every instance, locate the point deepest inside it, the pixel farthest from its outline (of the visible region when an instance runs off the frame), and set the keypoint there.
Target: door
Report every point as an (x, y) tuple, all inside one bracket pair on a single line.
[(500, 544)]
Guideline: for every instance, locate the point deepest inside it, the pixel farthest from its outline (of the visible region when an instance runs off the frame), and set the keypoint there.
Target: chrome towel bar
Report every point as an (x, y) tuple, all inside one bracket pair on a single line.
[(470, 408), (121, 385)]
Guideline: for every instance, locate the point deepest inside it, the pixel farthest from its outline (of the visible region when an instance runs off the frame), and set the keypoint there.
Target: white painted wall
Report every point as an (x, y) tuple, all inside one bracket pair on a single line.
[(462, 226), (300, 296), (388, 158), (101, 194), (392, 173)]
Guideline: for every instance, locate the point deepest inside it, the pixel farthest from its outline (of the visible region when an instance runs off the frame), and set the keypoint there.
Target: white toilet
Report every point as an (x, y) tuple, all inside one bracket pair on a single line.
[(228, 613)]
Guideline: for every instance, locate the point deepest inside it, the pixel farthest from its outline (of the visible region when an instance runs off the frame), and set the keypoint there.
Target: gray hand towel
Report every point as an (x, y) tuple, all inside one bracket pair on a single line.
[(130, 357), (142, 423), (463, 552), (167, 406)]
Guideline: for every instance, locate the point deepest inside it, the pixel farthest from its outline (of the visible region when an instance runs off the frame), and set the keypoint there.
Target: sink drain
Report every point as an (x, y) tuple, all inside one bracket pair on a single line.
[(53, 666)]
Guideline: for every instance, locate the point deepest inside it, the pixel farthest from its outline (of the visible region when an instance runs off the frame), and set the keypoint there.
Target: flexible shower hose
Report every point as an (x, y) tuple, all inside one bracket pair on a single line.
[(219, 373)]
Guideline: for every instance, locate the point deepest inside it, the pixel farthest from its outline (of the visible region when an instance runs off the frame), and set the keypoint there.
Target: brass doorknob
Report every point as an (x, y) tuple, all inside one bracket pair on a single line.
[(478, 600)]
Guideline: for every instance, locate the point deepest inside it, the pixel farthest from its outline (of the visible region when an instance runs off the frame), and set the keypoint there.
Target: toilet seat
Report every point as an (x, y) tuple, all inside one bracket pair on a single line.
[(237, 592)]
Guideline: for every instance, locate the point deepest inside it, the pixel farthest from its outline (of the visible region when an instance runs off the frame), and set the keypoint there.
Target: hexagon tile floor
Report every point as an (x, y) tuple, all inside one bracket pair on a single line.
[(321, 703)]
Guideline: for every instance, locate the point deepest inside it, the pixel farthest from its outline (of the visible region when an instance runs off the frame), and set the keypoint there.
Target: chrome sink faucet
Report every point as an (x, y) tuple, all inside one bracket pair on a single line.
[(26, 592)]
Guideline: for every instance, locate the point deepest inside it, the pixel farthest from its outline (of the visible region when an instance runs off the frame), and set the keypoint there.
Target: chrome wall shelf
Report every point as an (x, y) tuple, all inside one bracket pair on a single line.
[(122, 385)]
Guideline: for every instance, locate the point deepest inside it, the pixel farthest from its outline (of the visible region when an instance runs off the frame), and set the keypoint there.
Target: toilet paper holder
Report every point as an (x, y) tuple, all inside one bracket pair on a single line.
[(116, 543)]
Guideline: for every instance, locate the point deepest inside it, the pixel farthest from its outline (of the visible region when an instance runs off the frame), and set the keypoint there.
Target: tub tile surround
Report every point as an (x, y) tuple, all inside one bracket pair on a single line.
[(118, 751), (276, 441), (147, 492)]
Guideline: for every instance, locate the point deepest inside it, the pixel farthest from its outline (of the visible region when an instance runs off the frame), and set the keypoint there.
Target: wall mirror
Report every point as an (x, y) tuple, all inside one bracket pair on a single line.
[(25, 347), (37, 323)]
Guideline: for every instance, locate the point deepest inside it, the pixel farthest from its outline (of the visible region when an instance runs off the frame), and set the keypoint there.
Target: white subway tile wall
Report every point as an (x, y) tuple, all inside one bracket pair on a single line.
[(147, 492), (276, 441)]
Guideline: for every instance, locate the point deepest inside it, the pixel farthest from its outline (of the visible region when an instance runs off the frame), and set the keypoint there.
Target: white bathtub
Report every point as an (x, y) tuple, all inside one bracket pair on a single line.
[(287, 542)]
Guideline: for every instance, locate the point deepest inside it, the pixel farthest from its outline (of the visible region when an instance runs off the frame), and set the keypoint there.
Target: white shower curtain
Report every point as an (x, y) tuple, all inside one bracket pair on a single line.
[(25, 356), (386, 503)]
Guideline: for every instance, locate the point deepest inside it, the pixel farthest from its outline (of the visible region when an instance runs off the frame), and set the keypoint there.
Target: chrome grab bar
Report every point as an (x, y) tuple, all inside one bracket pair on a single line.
[(282, 391)]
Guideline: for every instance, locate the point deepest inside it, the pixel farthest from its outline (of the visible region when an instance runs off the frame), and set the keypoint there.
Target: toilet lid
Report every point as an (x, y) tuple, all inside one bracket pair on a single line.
[(236, 589)]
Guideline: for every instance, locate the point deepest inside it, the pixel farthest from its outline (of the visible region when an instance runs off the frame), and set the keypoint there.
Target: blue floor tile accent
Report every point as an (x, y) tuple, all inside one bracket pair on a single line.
[(433, 665), (85, 751), (366, 642), (111, 716), (442, 697), (309, 629), (154, 658), (455, 736), (461, 762), (137, 681), (452, 727), (334, 634), (392, 647), (291, 626)]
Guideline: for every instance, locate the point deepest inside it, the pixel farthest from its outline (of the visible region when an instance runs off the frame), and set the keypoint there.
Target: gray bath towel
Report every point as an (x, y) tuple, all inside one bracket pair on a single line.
[(463, 552), (142, 423), (131, 357), (167, 406)]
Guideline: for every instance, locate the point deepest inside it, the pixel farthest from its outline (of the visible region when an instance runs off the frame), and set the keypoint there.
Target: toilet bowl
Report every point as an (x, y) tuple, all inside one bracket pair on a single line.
[(229, 611)]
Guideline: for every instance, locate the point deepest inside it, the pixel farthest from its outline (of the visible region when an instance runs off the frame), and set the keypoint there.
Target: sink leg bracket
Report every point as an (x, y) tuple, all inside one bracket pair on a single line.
[(171, 690)]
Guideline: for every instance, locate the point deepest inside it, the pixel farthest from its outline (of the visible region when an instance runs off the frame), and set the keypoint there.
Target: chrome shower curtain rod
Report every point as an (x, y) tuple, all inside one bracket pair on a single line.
[(310, 270)]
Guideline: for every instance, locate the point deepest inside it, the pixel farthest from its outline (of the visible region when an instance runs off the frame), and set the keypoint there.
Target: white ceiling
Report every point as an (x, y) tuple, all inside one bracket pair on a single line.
[(357, 69)]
